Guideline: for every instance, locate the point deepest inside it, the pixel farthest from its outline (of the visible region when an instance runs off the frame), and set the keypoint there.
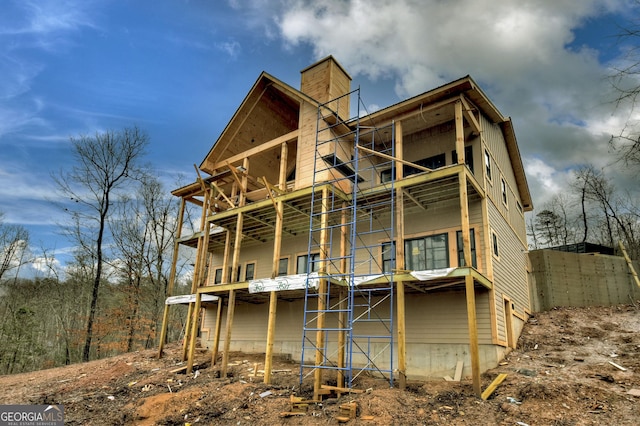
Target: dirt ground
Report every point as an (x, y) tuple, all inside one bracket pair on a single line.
[(560, 374)]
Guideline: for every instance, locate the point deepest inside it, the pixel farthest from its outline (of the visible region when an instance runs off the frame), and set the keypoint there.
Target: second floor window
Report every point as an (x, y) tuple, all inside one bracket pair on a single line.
[(283, 266), (303, 263), (420, 254), (487, 164), (472, 237)]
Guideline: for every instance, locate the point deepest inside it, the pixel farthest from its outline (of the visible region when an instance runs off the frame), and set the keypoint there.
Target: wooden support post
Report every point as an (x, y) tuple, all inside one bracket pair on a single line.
[(216, 334), (322, 295), (343, 295), (198, 270), (629, 263), (172, 279), (277, 244), (400, 264), (459, 132), (187, 330), (271, 331), (234, 265), (473, 334), (194, 332), (231, 305)]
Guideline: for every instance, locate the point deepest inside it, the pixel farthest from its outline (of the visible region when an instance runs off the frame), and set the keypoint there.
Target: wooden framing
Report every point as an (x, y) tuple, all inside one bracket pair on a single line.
[(322, 291), (400, 264), (252, 215), (277, 243)]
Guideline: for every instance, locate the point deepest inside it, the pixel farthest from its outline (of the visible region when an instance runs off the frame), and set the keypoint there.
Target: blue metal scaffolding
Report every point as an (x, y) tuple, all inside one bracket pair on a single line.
[(348, 319)]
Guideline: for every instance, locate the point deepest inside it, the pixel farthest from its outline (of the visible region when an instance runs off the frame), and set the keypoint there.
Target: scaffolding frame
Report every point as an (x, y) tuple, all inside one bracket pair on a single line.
[(349, 328)]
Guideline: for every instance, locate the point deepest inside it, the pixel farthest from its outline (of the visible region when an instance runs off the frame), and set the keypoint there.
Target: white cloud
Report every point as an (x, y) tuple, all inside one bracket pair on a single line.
[(517, 50)]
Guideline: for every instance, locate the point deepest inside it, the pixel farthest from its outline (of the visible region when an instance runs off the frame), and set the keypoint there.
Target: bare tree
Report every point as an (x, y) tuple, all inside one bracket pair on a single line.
[(14, 240), (625, 80), (104, 164), (549, 226)]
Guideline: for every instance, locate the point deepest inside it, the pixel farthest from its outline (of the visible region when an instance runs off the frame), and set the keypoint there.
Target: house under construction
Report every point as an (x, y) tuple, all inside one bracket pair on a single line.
[(390, 243)]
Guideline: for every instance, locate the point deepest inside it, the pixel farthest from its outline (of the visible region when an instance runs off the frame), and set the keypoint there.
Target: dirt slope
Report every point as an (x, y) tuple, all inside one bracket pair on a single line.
[(560, 374)]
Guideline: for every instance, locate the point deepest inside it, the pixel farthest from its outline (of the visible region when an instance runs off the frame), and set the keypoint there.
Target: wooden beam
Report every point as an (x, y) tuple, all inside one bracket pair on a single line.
[(277, 243), (258, 149), (414, 199), (492, 387), (629, 263), (273, 201), (322, 294), (468, 113), (459, 131), (342, 294), (194, 332), (221, 192), (389, 157), (216, 334), (271, 331), (400, 263), (474, 350), (237, 179), (231, 304)]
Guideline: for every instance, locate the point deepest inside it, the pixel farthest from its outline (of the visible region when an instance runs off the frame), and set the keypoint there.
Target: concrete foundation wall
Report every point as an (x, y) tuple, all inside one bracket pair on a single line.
[(436, 333), (573, 279)]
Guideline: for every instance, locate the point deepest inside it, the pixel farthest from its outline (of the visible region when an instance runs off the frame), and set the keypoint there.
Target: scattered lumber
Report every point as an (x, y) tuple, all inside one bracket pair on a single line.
[(619, 367), (458, 375), (338, 391), (347, 412), (493, 386), (183, 369)]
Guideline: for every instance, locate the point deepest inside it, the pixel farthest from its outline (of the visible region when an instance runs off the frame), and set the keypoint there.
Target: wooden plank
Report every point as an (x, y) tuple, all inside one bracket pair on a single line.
[(258, 149), (277, 243), (271, 326), (458, 374), (619, 367), (629, 264), (473, 334), (216, 334), (194, 332), (400, 264), (342, 315), (341, 390), (492, 387), (459, 123), (231, 302), (389, 157), (322, 290)]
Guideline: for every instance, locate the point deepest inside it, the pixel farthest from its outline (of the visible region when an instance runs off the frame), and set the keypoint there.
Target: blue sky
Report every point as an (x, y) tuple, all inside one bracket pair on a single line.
[(179, 69)]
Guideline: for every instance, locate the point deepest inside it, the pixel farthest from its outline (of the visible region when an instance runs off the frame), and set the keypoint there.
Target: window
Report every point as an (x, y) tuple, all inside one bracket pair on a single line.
[(503, 187), (434, 162), (420, 254), (385, 175), (468, 157), (472, 237), (487, 164), (494, 239), (283, 266), (218, 276), (426, 253), (388, 257), (303, 262), (249, 271)]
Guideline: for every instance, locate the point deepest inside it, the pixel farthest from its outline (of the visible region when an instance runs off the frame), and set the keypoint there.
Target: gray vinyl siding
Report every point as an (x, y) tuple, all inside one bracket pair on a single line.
[(509, 269)]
